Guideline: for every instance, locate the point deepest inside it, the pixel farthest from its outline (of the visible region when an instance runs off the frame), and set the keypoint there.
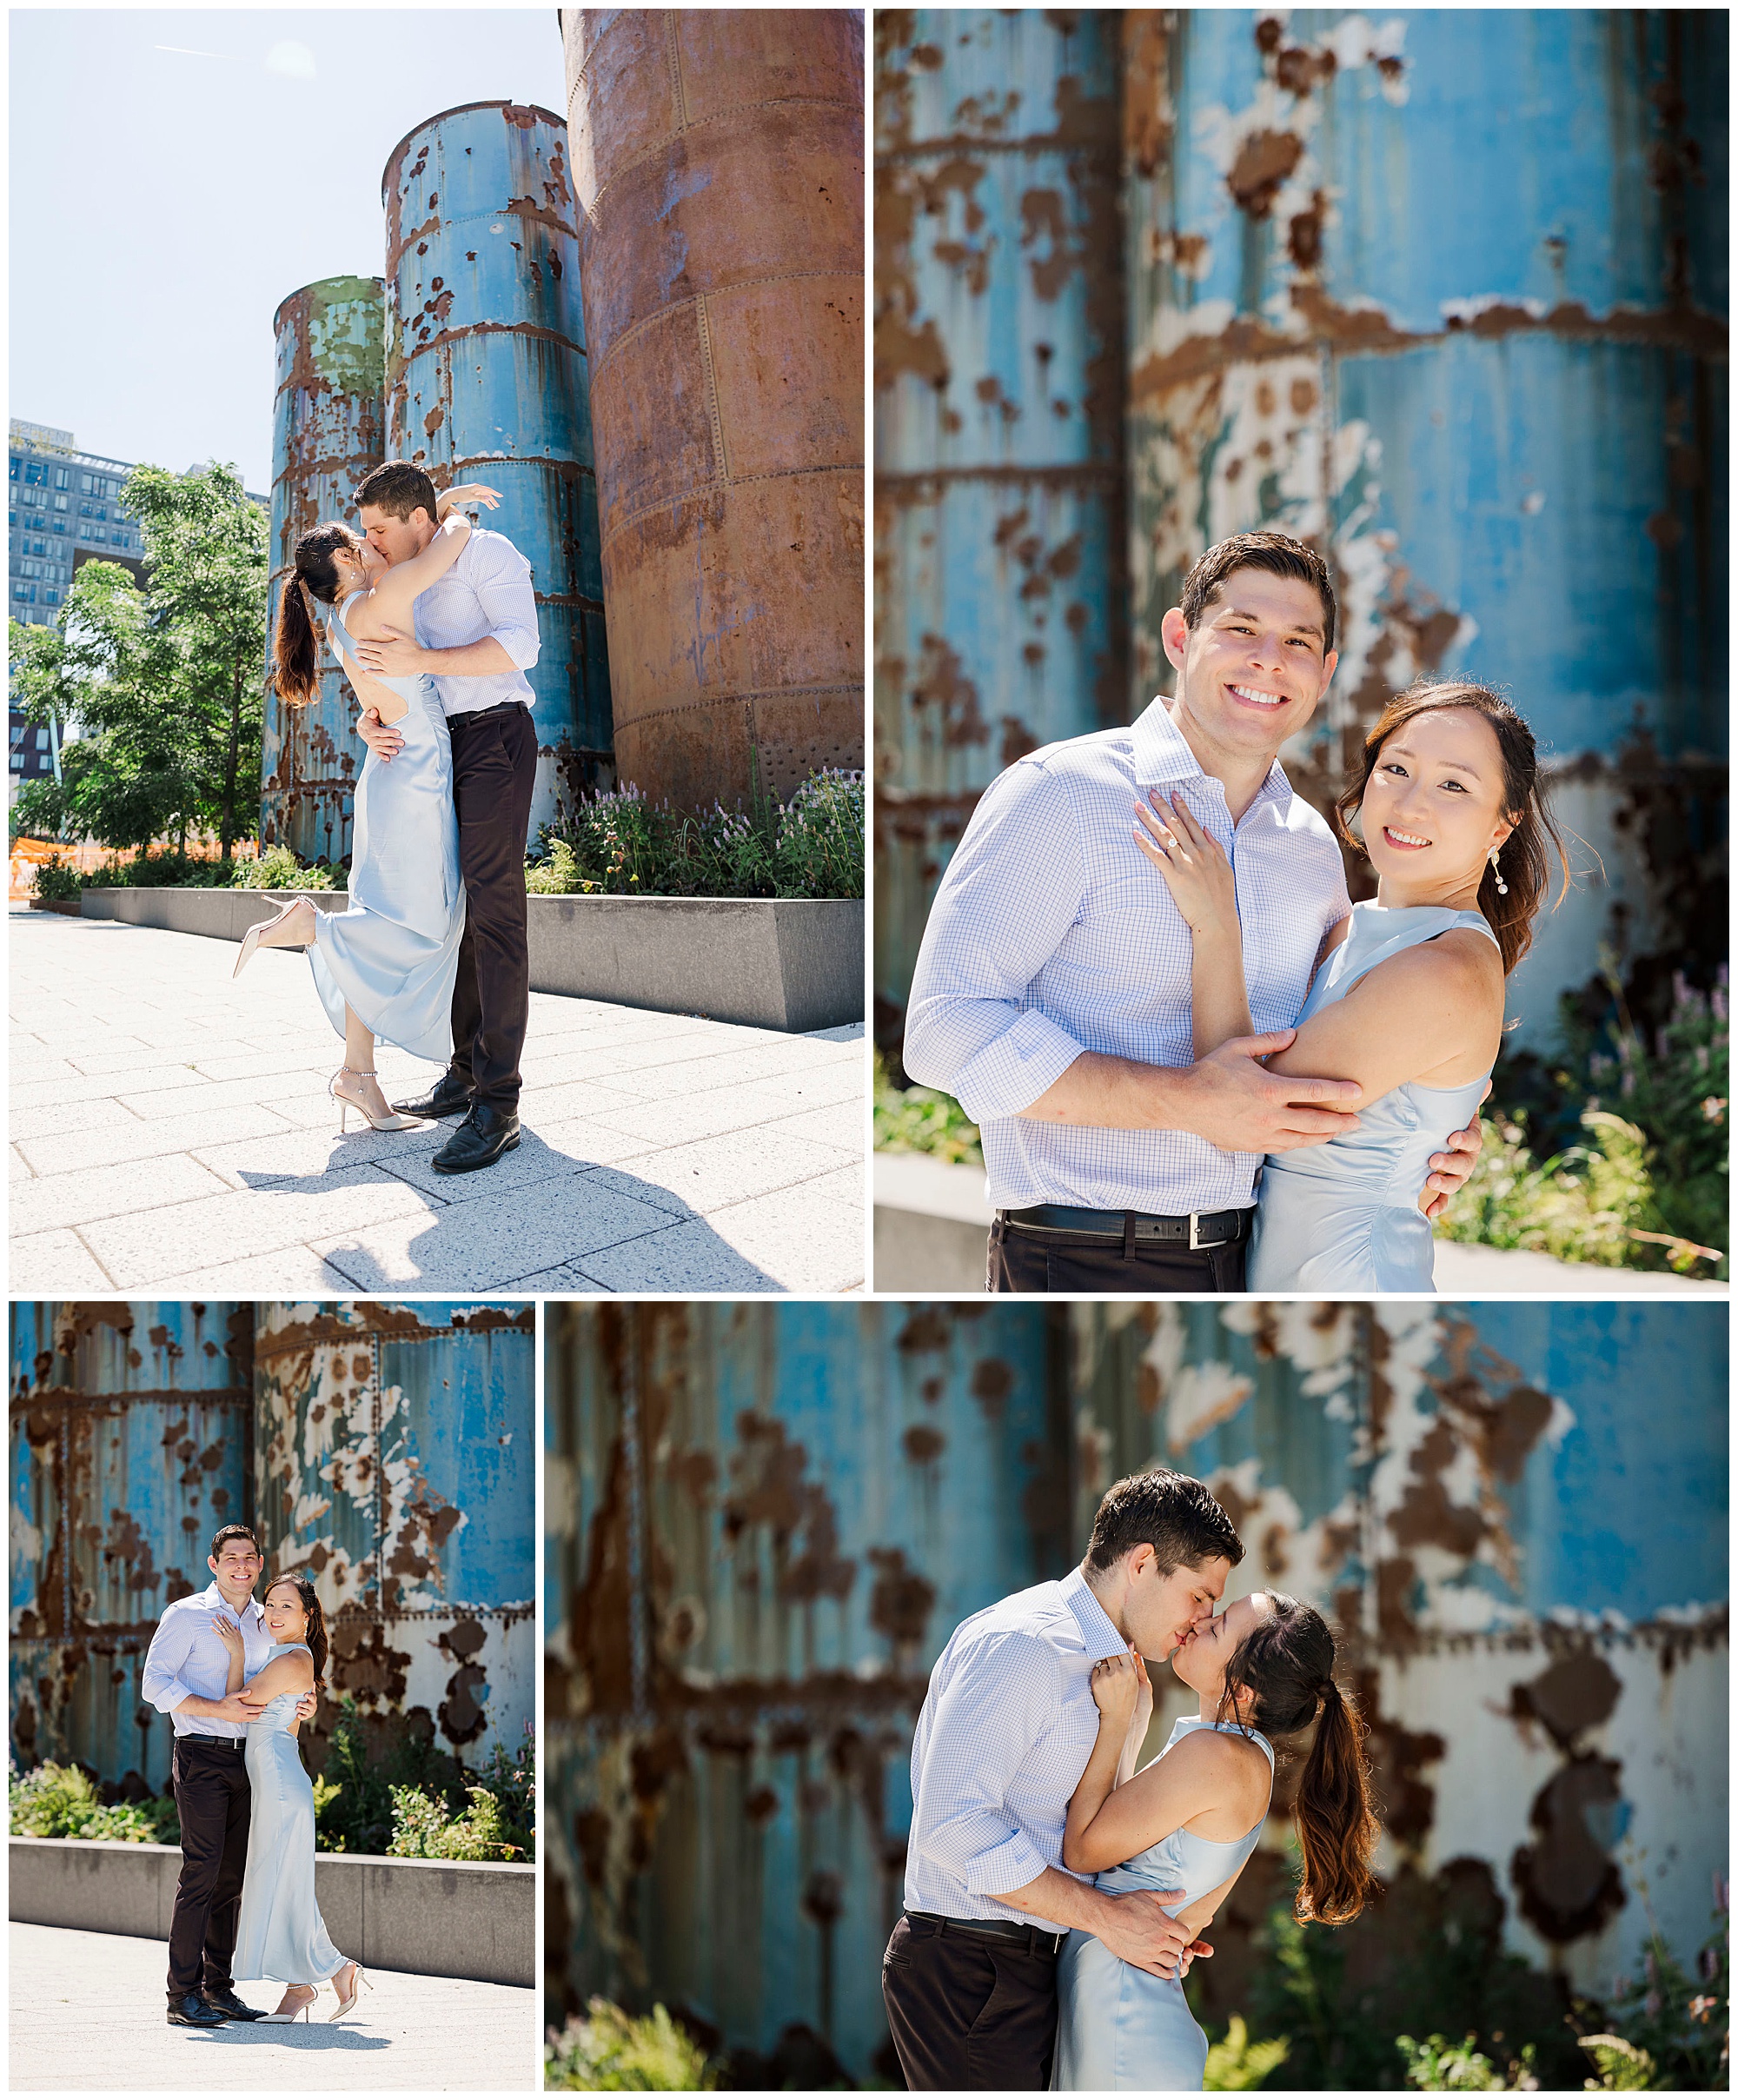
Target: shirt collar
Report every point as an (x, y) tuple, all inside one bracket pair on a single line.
[(1102, 1638), (211, 1596), (1162, 754)]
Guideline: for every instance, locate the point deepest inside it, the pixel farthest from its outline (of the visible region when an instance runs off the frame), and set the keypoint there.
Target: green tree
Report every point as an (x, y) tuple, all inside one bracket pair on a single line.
[(206, 577), (164, 683)]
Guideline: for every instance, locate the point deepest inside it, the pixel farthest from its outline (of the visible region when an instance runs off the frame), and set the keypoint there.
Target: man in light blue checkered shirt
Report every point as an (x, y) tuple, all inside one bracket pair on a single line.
[(1006, 1727), (1052, 991)]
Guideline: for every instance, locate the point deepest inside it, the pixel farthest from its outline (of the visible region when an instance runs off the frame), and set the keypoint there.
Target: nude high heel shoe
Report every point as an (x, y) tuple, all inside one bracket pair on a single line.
[(358, 1982), (391, 1120), (252, 938), (282, 2019)]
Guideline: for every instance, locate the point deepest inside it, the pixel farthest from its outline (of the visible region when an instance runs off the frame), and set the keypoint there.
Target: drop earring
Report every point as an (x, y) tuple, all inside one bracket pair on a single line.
[(1502, 887)]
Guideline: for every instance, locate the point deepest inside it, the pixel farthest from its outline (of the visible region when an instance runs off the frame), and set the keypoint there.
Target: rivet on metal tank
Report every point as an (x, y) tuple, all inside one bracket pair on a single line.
[(719, 164), (328, 422), (487, 380), (998, 424)]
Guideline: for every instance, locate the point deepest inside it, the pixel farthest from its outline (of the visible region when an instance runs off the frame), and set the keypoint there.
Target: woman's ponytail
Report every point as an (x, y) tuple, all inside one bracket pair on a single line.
[(292, 650), (1286, 1665), (1337, 1825), (295, 647)]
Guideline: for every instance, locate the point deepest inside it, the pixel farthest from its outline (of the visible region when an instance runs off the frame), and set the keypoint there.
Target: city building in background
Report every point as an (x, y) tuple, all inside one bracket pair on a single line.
[(762, 1524), (63, 509)]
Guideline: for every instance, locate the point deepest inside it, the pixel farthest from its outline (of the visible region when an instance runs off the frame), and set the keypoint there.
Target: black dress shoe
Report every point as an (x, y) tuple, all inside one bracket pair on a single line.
[(191, 2011), (451, 1096), (479, 1141), (221, 1997)]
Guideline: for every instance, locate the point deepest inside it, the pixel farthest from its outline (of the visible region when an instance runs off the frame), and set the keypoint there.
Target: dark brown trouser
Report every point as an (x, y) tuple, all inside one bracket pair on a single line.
[(494, 772), (1020, 1260), (210, 1788), (969, 2015)]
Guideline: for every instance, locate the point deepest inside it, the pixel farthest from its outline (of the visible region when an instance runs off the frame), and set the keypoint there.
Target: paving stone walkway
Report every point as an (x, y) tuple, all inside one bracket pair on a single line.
[(171, 1136), (85, 2013)]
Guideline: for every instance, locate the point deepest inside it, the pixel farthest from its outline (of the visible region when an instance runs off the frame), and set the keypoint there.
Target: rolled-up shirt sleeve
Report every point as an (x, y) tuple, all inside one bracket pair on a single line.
[(502, 582), (170, 1646), (1016, 1677), (1016, 884)]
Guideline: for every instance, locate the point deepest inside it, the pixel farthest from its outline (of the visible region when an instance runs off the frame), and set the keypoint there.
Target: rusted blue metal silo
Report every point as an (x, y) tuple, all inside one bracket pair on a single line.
[(763, 1523), (1446, 294), (328, 423), (129, 1434), (1000, 595), (394, 1465), (487, 380)]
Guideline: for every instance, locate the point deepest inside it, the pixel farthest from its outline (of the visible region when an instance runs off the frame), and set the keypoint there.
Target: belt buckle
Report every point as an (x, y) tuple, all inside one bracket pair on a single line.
[(1196, 1245)]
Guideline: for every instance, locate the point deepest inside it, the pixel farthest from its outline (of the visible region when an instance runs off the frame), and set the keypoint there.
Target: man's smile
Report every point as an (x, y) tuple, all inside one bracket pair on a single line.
[(1258, 696)]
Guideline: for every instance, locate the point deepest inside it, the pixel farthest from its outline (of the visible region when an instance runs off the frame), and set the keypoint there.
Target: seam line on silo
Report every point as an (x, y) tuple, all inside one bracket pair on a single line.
[(719, 459), (853, 111), (718, 292), (854, 468), (673, 59)]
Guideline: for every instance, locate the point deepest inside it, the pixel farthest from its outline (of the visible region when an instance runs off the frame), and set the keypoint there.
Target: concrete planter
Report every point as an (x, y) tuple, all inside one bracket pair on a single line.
[(793, 964), (219, 914), (67, 906), (767, 962), (430, 1917)]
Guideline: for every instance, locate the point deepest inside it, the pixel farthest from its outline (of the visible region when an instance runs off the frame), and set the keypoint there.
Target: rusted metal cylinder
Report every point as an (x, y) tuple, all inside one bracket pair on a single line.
[(761, 1523), (718, 162), (130, 1444), (487, 380), (328, 422), (1446, 295), (998, 424), (394, 1465)]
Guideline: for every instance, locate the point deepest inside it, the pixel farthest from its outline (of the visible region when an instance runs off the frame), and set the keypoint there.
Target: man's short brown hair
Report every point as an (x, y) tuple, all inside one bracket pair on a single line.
[(233, 1531), (1271, 551), (1175, 1515), (398, 489)]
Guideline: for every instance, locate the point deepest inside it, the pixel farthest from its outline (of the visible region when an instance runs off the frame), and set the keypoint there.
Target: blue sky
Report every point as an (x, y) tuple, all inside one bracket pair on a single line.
[(164, 200)]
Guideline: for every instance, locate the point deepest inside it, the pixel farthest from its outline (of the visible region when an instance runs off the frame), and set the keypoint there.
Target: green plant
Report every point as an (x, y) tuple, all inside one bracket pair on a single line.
[(607, 2051), (358, 1817), (621, 845), (1671, 2021), (56, 881), (1615, 1150), (158, 868), (916, 1119), (1238, 2065), (277, 867), (60, 1801), (425, 1828), (1436, 2066)]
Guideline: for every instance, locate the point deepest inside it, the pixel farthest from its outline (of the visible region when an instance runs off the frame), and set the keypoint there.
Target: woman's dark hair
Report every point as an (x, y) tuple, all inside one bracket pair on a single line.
[(1287, 1664), (295, 645), (1522, 857), (316, 1617), (1175, 1516)]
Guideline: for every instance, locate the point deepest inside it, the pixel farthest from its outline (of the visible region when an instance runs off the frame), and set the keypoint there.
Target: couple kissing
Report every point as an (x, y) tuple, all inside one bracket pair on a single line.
[(1055, 1894), (435, 623)]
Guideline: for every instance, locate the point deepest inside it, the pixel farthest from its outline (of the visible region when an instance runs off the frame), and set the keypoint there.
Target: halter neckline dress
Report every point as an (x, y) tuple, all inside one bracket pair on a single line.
[(1345, 1216), (1119, 2029), (393, 955)]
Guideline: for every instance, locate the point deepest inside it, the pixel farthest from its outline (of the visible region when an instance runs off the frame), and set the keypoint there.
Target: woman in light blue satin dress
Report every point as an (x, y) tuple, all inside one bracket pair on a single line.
[(384, 967), (1407, 1001), (280, 1933), (1188, 1821)]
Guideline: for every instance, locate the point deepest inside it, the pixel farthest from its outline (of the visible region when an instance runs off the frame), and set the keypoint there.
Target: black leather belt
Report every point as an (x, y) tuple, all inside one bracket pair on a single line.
[(992, 1928), (216, 1742), (1197, 1231)]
